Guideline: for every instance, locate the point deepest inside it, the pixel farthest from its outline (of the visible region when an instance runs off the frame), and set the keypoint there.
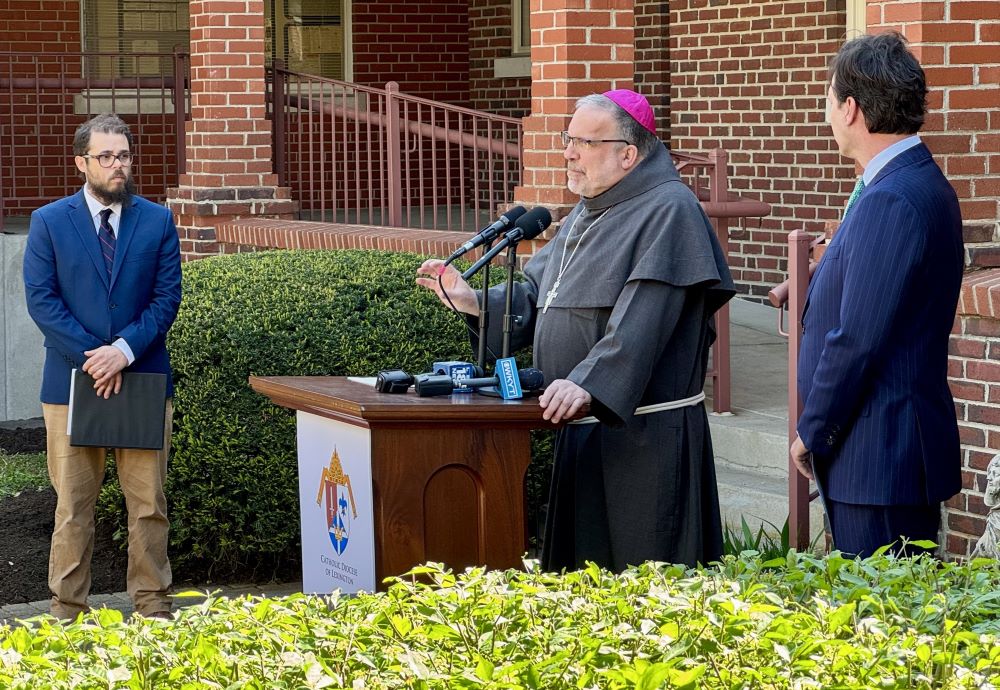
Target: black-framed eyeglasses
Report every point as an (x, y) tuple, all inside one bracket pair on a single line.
[(587, 144), (107, 160)]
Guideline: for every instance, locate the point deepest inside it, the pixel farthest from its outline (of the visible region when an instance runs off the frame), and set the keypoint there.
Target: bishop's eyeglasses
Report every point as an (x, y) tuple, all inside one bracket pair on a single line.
[(587, 144), (107, 160)]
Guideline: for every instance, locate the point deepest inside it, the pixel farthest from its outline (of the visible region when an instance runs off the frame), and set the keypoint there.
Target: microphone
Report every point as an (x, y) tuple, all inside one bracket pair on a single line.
[(530, 379), (489, 233), (459, 372), (529, 226), (509, 382)]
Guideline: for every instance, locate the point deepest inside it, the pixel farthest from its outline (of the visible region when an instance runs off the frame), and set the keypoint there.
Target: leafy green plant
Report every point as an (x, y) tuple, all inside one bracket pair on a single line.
[(22, 472), (767, 543), (797, 622)]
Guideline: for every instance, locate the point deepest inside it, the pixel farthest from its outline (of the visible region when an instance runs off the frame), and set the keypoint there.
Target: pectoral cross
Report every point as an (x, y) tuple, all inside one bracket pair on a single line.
[(549, 296)]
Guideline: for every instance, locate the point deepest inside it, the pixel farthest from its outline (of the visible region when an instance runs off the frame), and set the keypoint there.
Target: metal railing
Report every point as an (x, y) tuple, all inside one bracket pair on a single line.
[(358, 154), (45, 97), (792, 293)]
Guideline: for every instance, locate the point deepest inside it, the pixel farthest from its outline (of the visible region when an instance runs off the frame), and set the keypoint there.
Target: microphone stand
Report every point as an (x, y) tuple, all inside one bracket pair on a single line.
[(484, 315), (508, 317)]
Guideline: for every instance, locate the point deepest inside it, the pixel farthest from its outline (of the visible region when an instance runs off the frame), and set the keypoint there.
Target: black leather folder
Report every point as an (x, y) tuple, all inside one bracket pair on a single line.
[(131, 419)]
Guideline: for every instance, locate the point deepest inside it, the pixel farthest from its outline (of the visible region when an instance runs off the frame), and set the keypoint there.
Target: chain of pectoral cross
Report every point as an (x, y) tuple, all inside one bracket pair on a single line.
[(563, 261)]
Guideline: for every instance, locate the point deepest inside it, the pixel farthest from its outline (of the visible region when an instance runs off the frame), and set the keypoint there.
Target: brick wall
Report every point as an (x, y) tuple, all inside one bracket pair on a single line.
[(652, 59), (974, 373), (46, 26), (750, 76), (490, 39), (958, 44), (425, 48)]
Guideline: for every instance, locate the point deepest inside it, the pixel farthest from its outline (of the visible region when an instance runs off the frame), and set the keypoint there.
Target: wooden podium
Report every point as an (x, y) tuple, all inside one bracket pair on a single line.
[(446, 476)]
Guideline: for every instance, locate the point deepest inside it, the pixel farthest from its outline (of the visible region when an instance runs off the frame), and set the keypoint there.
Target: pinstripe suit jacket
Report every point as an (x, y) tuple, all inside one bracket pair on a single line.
[(878, 415)]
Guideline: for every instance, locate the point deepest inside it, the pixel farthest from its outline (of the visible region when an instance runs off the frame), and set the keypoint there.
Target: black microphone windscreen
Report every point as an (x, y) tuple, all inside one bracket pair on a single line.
[(531, 379), (514, 213), (534, 222)]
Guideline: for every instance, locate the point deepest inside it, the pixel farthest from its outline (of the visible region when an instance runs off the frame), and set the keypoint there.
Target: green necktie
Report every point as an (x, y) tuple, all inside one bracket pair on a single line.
[(858, 188)]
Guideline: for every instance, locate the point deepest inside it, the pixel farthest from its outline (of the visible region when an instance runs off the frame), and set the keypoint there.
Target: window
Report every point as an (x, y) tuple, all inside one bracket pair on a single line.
[(309, 35), (520, 27), (128, 27)]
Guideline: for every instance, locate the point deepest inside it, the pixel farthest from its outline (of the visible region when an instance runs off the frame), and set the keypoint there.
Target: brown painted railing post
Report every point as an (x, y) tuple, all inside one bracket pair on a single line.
[(278, 120), (719, 192), (798, 486), (180, 111), (394, 155)]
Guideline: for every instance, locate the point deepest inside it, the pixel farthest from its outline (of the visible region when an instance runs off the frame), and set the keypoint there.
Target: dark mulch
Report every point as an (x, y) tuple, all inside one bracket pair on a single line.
[(26, 522), (22, 440), (25, 534), (26, 531)]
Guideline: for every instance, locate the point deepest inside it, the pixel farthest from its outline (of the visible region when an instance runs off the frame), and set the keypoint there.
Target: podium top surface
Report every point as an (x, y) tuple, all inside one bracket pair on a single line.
[(338, 397)]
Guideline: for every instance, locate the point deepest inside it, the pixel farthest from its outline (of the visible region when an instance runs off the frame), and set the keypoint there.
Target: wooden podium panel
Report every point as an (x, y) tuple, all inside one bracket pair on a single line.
[(447, 472)]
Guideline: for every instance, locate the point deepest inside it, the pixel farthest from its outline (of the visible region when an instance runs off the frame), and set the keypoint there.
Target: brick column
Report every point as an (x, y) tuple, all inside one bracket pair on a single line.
[(579, 47), (229, 162), (958, 44)]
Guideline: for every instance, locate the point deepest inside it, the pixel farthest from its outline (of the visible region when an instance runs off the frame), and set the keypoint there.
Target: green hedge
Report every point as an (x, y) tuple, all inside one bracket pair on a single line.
[(794, 623), (232, 477)]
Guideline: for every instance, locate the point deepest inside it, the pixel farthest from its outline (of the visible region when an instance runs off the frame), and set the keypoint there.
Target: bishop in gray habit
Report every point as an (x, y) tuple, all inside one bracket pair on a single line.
[(621, 303), (631, 321)]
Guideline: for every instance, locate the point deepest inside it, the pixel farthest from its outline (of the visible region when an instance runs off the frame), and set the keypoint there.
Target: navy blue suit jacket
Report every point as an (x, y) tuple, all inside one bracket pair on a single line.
[(70, 299), (878, 414)]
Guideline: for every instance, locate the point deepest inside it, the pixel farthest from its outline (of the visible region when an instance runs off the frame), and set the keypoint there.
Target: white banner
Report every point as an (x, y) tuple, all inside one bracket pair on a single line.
[(335, 499)]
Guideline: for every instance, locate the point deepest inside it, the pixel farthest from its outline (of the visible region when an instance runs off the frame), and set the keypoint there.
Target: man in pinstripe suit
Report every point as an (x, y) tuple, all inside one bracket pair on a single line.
[(878, 427)]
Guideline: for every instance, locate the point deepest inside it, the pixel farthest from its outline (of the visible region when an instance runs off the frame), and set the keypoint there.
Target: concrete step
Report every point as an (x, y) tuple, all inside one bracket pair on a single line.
[(751, 441), (761, 500)]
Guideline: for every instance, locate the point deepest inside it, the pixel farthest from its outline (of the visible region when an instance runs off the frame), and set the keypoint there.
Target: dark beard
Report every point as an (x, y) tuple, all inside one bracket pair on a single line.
[(108, 196)]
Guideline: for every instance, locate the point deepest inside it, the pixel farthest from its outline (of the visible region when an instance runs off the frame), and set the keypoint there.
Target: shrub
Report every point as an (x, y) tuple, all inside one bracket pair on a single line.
[(797, 622), (232, 478)]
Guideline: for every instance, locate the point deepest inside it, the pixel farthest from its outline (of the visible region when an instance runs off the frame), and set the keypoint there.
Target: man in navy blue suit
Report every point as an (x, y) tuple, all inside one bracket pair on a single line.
[(102, 279), (878, 419)]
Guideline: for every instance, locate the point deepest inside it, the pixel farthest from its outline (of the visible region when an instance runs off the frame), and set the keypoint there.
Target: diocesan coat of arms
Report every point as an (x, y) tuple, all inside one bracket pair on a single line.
[(335, 489)]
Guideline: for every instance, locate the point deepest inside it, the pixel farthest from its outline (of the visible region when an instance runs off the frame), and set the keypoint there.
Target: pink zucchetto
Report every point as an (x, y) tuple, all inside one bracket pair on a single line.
[(635, 104)]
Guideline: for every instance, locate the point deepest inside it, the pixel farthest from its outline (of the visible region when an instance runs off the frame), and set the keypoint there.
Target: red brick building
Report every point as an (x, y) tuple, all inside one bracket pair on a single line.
[(746, 75)]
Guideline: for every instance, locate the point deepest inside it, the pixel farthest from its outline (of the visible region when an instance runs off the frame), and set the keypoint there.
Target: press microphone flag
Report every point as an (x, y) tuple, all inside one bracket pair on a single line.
[(459, 373), (489, 233), (529, 226)]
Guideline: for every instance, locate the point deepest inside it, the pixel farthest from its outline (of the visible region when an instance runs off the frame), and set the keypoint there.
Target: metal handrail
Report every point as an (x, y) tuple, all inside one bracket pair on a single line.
[(452, 157), (51, 93), (792, 292)]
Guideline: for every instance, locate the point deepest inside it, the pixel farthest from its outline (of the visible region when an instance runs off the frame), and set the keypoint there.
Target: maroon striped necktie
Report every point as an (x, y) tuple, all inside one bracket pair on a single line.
[(107, 237)]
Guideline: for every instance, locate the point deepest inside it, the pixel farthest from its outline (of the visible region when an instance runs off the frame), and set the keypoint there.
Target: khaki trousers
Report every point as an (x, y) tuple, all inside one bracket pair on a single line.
[(77, 474)]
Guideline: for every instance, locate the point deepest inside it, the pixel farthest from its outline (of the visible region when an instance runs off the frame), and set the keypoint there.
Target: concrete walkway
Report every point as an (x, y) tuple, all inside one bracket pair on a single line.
[(12, 613)]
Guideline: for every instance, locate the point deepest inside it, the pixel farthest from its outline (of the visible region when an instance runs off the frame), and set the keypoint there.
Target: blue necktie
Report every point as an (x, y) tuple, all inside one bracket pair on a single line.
[(858, 188), (107, 237)]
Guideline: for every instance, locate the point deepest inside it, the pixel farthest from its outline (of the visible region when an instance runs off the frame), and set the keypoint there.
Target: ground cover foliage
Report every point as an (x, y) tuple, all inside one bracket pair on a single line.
[(797, 622)]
